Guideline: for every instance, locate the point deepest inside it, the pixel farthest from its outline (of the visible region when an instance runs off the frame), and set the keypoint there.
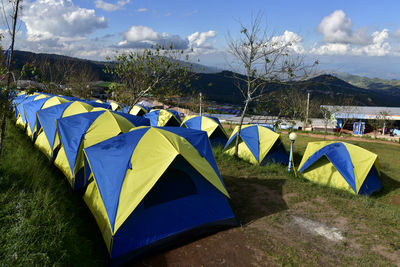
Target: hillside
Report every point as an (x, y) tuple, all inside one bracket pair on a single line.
[(220, 86)]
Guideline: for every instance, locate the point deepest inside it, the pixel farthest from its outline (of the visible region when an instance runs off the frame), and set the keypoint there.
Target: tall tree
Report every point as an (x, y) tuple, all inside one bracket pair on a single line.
[(6, 94), (157, 71), (264, 59)]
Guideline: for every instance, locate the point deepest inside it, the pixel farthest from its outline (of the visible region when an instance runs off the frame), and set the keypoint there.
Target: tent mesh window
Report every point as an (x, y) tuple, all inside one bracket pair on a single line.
[(277, 154), (173, 122), (218, 134), (173, 184)]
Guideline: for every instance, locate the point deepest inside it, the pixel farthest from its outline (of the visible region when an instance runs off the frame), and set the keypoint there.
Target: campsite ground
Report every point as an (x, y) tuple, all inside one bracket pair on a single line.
[(285, 220)]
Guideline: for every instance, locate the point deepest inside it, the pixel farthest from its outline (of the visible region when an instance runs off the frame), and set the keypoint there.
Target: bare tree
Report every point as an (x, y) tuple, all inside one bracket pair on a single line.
[(347, 110), (264, 59), (381, 121), (327, 117), (6, 99)]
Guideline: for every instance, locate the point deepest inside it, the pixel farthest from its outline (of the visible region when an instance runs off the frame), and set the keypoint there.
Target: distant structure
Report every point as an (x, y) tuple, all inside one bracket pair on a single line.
[(361, 115)]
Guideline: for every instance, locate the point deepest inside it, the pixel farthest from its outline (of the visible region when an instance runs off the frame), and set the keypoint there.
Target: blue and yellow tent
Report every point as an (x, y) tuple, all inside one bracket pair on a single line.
[(46, 140), (115, 105), (163, 117), (153, 185), (341, 165), (21, 120), (257, 145), (31, 108), (211, 125), (139, 110), (77, 132)]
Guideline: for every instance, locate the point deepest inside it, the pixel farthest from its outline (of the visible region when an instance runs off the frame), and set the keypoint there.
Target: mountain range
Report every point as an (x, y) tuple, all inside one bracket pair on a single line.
[(219, 85)]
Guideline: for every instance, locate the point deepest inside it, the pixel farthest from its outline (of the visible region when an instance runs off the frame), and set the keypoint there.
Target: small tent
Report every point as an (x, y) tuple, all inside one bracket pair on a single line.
[(46, 140), (257, 145), (211, 125), (139, 110), (31, 108), (151, 186), (163, 117), (21, 120), (115, 105), (341, 165), (83, 130)]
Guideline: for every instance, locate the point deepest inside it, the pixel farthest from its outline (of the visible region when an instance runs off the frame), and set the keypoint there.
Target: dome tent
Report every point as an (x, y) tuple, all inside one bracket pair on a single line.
[(139, 110), (341, 165), (31, 108), (257, 145), (83, 130), (46, 140), (211, 125), (163, 117), (21, 120), (151, 186)]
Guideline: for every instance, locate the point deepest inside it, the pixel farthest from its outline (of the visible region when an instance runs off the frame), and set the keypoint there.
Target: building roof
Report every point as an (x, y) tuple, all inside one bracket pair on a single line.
[(364, 112)]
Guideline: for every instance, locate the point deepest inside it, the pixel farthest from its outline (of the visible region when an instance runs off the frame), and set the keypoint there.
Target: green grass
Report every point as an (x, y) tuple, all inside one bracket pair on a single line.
[(369, 222), (43, 223)]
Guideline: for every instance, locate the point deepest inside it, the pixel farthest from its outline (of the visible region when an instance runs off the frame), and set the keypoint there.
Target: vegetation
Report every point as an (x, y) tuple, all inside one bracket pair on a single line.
[(43, 223), (155, 71)]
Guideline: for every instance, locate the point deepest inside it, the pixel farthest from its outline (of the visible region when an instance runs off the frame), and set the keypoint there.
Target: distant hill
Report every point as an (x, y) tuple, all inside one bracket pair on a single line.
[(326, 89), (375, 84), (220, 86)]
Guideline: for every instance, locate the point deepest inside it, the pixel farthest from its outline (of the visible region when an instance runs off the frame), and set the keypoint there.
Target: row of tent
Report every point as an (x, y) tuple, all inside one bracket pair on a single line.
[(147, 187), (148, 184)]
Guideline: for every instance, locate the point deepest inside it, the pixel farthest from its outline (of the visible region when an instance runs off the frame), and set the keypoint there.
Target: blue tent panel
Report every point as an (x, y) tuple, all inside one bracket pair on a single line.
[(72, 129), (31, 109), (135, 120), (194, 123), (113, 159), (20, 106), (48, 117), (153, 117), (250, 136), (340, 158), (371, 184)]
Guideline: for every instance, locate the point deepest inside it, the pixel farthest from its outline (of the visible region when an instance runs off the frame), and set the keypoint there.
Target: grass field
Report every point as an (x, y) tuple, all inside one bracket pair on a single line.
[(43, 223)]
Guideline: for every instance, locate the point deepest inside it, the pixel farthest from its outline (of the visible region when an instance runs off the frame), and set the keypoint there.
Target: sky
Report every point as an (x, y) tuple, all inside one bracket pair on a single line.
[(357, 37)]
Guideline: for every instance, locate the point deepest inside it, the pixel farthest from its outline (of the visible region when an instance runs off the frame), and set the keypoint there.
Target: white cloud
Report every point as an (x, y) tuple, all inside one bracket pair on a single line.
[(111, 7), (201, 39), (142, 10), (54, 19), (331, 49), (292, 38), (340, 38), (378, 47), (338, 28), (144, 37)]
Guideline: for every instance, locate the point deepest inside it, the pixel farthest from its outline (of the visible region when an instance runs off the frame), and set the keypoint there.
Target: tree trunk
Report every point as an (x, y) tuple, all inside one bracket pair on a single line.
[(240, 127), (7, 103)]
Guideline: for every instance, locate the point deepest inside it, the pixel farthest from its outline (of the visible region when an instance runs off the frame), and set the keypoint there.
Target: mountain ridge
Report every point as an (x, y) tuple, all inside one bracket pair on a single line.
[(220, 86)]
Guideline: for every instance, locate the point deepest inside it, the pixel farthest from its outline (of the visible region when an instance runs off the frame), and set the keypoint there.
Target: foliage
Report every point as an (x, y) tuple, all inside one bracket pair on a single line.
[(156, 71)]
